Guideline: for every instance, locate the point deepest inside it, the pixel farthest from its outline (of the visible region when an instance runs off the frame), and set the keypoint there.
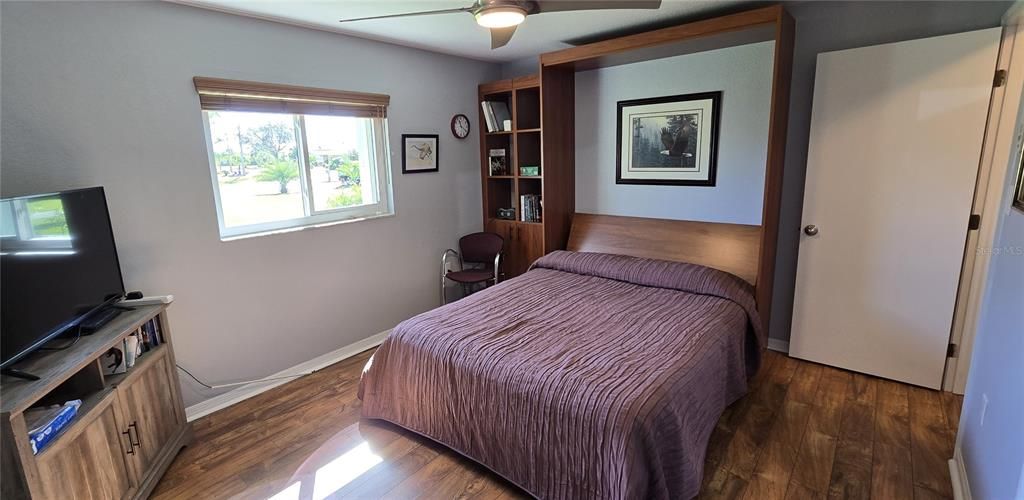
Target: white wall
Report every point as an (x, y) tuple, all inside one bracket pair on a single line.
[(991, 437), (743, 74), (101, 94)]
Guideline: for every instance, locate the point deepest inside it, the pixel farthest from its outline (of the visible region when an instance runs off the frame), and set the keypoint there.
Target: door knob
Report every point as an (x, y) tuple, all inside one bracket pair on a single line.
[(810, 230)]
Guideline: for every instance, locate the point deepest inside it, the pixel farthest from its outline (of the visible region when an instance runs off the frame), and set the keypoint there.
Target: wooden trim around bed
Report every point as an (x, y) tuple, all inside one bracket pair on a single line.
[(732, 248), (558, 72)]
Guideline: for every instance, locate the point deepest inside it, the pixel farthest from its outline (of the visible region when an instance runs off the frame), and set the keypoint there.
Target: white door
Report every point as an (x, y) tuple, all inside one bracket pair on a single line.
[(896, 134)]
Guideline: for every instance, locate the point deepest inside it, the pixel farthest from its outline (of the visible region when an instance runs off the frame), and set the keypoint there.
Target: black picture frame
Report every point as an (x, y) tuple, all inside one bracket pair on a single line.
[(714, 126), (436, 153)]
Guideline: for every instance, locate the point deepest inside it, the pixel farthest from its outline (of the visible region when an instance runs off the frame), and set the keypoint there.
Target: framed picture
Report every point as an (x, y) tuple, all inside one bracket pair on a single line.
[(419, 153), (1018, 194), (671, 140)]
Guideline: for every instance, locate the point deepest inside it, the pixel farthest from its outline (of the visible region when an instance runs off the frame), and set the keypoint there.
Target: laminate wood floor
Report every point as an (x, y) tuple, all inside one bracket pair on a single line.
[(804, 431)]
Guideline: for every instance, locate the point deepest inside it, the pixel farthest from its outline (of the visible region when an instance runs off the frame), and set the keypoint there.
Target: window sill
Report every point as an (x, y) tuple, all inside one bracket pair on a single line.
[(304, 227)]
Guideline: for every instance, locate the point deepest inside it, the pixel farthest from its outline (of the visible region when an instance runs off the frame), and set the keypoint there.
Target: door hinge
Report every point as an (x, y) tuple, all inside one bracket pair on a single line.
[(1000, 78), (974, 222), (952, 351)]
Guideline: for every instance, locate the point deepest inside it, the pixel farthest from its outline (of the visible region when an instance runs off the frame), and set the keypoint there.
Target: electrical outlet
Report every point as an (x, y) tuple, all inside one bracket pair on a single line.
[(984, 408)]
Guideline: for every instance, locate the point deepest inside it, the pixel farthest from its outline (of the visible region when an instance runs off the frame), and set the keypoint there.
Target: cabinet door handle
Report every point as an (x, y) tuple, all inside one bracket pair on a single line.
[(137, 442), (131, 445)]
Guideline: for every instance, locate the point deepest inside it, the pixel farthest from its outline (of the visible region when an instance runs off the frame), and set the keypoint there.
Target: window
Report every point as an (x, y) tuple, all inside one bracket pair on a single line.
[(34, 224), (285, 157)]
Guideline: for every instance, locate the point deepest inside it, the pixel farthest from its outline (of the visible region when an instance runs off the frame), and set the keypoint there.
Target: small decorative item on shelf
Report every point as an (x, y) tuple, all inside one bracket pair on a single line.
[(419, 153), (114, 361), (529, 171), (498, 162), (507, 213)]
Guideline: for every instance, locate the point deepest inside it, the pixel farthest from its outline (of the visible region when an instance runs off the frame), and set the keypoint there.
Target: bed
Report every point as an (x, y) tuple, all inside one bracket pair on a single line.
[(593, 375)]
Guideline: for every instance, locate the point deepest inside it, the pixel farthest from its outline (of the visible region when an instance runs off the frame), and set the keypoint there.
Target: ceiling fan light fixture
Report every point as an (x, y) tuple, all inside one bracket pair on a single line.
[(500, 17)]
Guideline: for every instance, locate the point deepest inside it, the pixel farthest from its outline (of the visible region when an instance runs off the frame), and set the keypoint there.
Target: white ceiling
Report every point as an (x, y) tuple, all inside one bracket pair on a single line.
[(457, 33)]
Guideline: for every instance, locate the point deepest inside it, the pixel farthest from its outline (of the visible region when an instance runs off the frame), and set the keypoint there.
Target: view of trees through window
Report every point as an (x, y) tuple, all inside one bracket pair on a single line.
[(274, 167)]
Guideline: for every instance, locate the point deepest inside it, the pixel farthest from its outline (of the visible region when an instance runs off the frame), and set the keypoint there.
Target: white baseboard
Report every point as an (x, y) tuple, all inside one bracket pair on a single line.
[(958, 476), (778, 345), (247, 391)]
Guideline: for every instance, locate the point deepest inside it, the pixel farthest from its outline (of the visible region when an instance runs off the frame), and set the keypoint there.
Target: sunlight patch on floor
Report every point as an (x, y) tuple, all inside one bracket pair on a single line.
[(342, 470), (333, 475)]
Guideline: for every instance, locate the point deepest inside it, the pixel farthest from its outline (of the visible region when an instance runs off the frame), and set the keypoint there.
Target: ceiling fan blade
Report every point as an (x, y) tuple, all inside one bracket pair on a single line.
[(570, 5), (410, 14), (501, 36)]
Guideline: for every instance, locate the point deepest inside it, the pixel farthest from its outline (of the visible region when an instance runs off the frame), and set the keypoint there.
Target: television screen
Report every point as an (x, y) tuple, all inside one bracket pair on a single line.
[(58, 263)]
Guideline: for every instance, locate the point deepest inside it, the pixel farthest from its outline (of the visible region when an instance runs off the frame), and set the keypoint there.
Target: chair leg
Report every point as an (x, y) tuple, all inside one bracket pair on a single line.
[(444, 299)]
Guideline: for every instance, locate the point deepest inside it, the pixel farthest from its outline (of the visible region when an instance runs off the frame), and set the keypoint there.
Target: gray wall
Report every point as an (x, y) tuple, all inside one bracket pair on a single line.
[(823, 26), (520, 67), (101, 94), (743, 74), (993, 450)]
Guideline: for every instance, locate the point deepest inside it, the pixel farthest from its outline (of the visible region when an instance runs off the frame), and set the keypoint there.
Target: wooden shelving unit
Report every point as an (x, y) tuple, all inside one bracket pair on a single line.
[(524, 241), (128, 428)]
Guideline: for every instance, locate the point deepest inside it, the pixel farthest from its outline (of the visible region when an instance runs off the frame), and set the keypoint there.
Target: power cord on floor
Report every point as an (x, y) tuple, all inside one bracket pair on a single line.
[(245, 382)]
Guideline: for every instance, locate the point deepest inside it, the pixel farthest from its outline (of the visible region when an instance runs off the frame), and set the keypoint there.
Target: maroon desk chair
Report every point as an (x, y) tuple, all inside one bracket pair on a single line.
[(479, 258)]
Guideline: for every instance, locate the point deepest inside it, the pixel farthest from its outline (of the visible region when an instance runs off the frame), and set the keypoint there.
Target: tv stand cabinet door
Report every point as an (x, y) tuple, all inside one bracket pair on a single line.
[(93, 464), (151, 412)]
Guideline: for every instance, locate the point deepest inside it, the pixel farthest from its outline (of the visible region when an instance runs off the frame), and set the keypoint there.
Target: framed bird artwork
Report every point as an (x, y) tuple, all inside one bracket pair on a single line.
[(419, 153), (670, 140)]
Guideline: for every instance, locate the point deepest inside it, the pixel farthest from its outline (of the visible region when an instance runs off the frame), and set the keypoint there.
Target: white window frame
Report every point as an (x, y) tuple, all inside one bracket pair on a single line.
[(380, 184)]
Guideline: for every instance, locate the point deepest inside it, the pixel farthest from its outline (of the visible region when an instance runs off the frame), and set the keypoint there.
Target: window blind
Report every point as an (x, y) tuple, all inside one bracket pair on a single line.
[(217, 94)]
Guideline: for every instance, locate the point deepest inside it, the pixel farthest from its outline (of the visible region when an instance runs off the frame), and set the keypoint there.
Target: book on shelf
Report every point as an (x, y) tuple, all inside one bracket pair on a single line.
[(488, 117), (150, 335), (530, 208), (496, 113), (498, 161)]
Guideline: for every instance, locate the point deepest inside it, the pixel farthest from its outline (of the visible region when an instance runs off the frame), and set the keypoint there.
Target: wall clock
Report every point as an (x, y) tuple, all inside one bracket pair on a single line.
[(460, 126)]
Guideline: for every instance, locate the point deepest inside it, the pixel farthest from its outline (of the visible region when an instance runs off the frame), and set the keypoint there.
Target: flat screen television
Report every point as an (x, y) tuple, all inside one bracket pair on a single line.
[(58, 265)]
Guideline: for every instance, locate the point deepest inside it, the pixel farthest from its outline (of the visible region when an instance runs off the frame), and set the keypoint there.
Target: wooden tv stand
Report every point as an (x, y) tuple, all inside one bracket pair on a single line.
[(128, 428)]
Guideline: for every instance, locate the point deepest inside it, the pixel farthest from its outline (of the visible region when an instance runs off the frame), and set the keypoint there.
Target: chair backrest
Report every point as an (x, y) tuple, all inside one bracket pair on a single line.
[(480, 248)]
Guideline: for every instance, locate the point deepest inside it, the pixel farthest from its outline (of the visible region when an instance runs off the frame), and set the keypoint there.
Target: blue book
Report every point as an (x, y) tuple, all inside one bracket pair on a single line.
[(48, 422)]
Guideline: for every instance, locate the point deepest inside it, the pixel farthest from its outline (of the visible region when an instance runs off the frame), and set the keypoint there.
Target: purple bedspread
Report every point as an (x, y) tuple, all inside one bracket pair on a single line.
[(590, 376)]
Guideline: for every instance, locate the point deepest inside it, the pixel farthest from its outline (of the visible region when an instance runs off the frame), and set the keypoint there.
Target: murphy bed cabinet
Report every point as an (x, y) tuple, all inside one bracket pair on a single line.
[(525, 241), (128, 428)]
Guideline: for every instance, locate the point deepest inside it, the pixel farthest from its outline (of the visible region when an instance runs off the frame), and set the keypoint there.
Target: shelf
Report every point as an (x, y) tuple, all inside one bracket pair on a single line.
[(503, 132), (145, 359), (513, 221), (501, 177), (89, 403), (532, 177), (54, 367), (527, 104), (528, 130)]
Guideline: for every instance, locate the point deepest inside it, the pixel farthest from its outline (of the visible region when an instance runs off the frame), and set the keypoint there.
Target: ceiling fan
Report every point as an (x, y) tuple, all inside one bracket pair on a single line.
[(503, 16)]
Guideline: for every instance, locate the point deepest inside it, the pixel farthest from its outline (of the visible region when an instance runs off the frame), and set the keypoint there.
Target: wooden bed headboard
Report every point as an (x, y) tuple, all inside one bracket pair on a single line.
[(730, 247)]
